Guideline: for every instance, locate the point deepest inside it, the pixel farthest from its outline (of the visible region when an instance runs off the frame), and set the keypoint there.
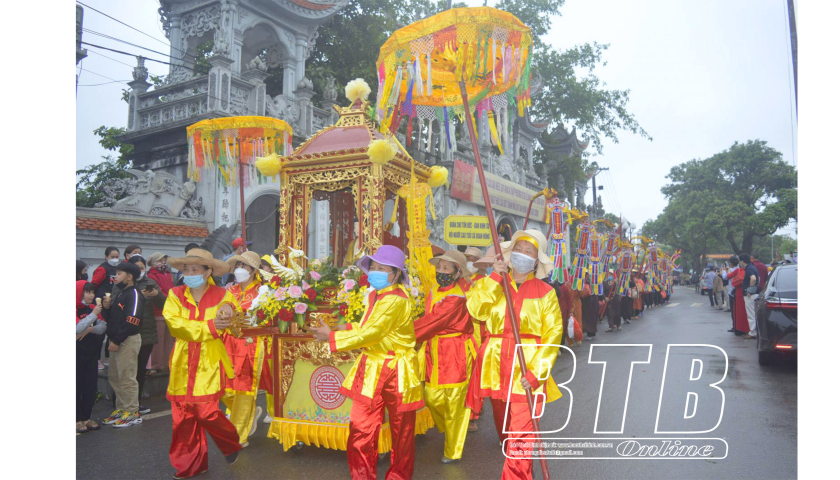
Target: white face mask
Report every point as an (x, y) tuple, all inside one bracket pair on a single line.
[(113, 262), (471, 268), (522, 263), (241, 275), (142, 274)]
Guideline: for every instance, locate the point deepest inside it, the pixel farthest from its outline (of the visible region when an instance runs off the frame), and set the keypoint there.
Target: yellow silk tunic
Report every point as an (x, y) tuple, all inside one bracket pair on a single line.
[(198, 355), (386, 337), (540, 322)]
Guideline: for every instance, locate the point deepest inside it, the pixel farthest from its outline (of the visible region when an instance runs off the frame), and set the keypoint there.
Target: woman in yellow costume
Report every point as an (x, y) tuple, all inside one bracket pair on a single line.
[(449, 348), (540, 322), (246, 354), (386, 373)]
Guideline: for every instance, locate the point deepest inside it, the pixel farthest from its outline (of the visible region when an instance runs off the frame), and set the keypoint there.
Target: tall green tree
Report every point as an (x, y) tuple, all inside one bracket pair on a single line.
[(748, 191), (91, 179)]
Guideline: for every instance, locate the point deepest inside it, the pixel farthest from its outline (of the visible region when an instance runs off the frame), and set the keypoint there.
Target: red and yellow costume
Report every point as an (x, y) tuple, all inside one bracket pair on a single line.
[(450, 349), (247, 356), (385, 376), (480, 334), (195, 378), (540, 322), (640, 287)]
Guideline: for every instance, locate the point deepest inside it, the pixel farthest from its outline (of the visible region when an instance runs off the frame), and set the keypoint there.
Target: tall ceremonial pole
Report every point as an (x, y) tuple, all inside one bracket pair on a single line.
[(505, 277)]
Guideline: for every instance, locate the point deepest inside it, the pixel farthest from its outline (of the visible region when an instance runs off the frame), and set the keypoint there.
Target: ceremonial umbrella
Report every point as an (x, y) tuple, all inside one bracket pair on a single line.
[(460, 61), (230, 143)]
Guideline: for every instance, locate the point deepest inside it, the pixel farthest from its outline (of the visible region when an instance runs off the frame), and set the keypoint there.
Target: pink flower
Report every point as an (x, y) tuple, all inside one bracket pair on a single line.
[(280, 294), (315, 275), (349, 284), (300, 308), (295, 291), (305, 285)]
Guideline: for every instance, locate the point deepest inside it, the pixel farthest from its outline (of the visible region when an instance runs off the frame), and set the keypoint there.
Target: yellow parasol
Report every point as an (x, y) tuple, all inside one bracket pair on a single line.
[(459, 62), (230, 143)]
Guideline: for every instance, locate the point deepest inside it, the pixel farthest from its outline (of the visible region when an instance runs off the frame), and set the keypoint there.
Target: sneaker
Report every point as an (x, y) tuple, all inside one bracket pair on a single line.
[(731, 330), (128, 419), (446, 460), (231, 459), (100, 366), (267, 419), (257, 415), (619, 328), (144, 410), (113, 417), (472, 427)]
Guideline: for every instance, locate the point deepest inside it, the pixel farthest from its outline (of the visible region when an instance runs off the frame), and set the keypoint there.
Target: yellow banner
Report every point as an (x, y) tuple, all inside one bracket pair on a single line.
[(470, 230)]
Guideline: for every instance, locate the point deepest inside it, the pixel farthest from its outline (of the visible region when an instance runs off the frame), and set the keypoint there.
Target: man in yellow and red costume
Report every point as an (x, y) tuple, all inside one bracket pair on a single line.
[(478, 264), (537, 313), (196, 314), (247, 354), (449, 350), (386, 373)]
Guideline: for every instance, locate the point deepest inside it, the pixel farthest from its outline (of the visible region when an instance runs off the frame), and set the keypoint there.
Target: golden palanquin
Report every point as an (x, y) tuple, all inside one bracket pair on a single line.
[(334, 165)]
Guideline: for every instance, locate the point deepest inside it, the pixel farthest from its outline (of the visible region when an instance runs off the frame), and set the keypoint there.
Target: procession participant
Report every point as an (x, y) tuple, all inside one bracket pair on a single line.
[(266, 377), (577, 312), (123, 313), (540, 322), (265, 264), (386, 373), (637, 301), (103, 276), (565, 299), (479, 328), (473, 255), (197, 313), (246, 354), (239, 247), (590, 309), (613, 310), (627, 299), (446, 331)]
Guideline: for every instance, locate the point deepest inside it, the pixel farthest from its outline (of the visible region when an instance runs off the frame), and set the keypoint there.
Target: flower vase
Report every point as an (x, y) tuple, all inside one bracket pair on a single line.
[(284, 326)]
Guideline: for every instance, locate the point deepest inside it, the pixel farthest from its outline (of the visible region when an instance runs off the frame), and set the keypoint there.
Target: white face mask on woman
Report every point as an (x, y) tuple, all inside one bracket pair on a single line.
[(471, 268), (522, 263), (241, 275)]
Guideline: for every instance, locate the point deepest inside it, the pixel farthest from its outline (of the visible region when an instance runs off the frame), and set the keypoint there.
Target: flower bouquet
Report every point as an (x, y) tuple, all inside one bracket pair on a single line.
[(281, 302)]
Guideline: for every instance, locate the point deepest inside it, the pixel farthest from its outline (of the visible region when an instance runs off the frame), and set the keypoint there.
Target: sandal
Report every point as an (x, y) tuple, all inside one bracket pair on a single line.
[(91, 425), (150, 372), (81, 428)]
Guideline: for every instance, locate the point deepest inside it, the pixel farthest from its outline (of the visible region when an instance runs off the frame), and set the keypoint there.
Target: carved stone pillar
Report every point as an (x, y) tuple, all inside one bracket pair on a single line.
[(138, 86), (218, 84), (257, 79), (304, 93)]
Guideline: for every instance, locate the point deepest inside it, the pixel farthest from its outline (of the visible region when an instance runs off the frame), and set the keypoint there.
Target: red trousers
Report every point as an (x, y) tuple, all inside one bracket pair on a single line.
[(188, 451), (365, 422), (519, 420)]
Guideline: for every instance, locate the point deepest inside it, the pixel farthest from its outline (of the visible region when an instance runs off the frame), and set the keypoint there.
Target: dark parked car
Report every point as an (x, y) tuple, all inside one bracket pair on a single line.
[(775, 314)]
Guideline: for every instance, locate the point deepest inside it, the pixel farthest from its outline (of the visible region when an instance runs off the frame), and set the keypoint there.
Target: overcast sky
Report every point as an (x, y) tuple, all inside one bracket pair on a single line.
[(702, 74)]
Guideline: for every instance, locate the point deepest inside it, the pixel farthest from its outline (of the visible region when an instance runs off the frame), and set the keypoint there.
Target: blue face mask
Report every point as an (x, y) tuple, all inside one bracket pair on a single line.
[(194, 281), (378, 280)]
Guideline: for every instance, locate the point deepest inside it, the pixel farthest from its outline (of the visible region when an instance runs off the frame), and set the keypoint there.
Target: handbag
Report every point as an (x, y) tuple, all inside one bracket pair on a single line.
[(751, 290)]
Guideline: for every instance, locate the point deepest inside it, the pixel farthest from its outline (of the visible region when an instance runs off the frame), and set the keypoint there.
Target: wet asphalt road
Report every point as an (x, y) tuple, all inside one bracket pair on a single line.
[(759, 420)]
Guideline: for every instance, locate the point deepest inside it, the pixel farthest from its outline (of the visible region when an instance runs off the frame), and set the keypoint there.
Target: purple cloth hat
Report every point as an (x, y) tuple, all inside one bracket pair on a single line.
[(386, 255)]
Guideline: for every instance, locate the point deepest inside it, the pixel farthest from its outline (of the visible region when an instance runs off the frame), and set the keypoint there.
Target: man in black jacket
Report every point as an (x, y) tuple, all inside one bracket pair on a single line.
[(123, 315)]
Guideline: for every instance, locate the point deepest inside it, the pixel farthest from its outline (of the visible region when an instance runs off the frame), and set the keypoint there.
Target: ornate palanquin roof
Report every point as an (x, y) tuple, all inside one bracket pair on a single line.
[(348, 140)]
